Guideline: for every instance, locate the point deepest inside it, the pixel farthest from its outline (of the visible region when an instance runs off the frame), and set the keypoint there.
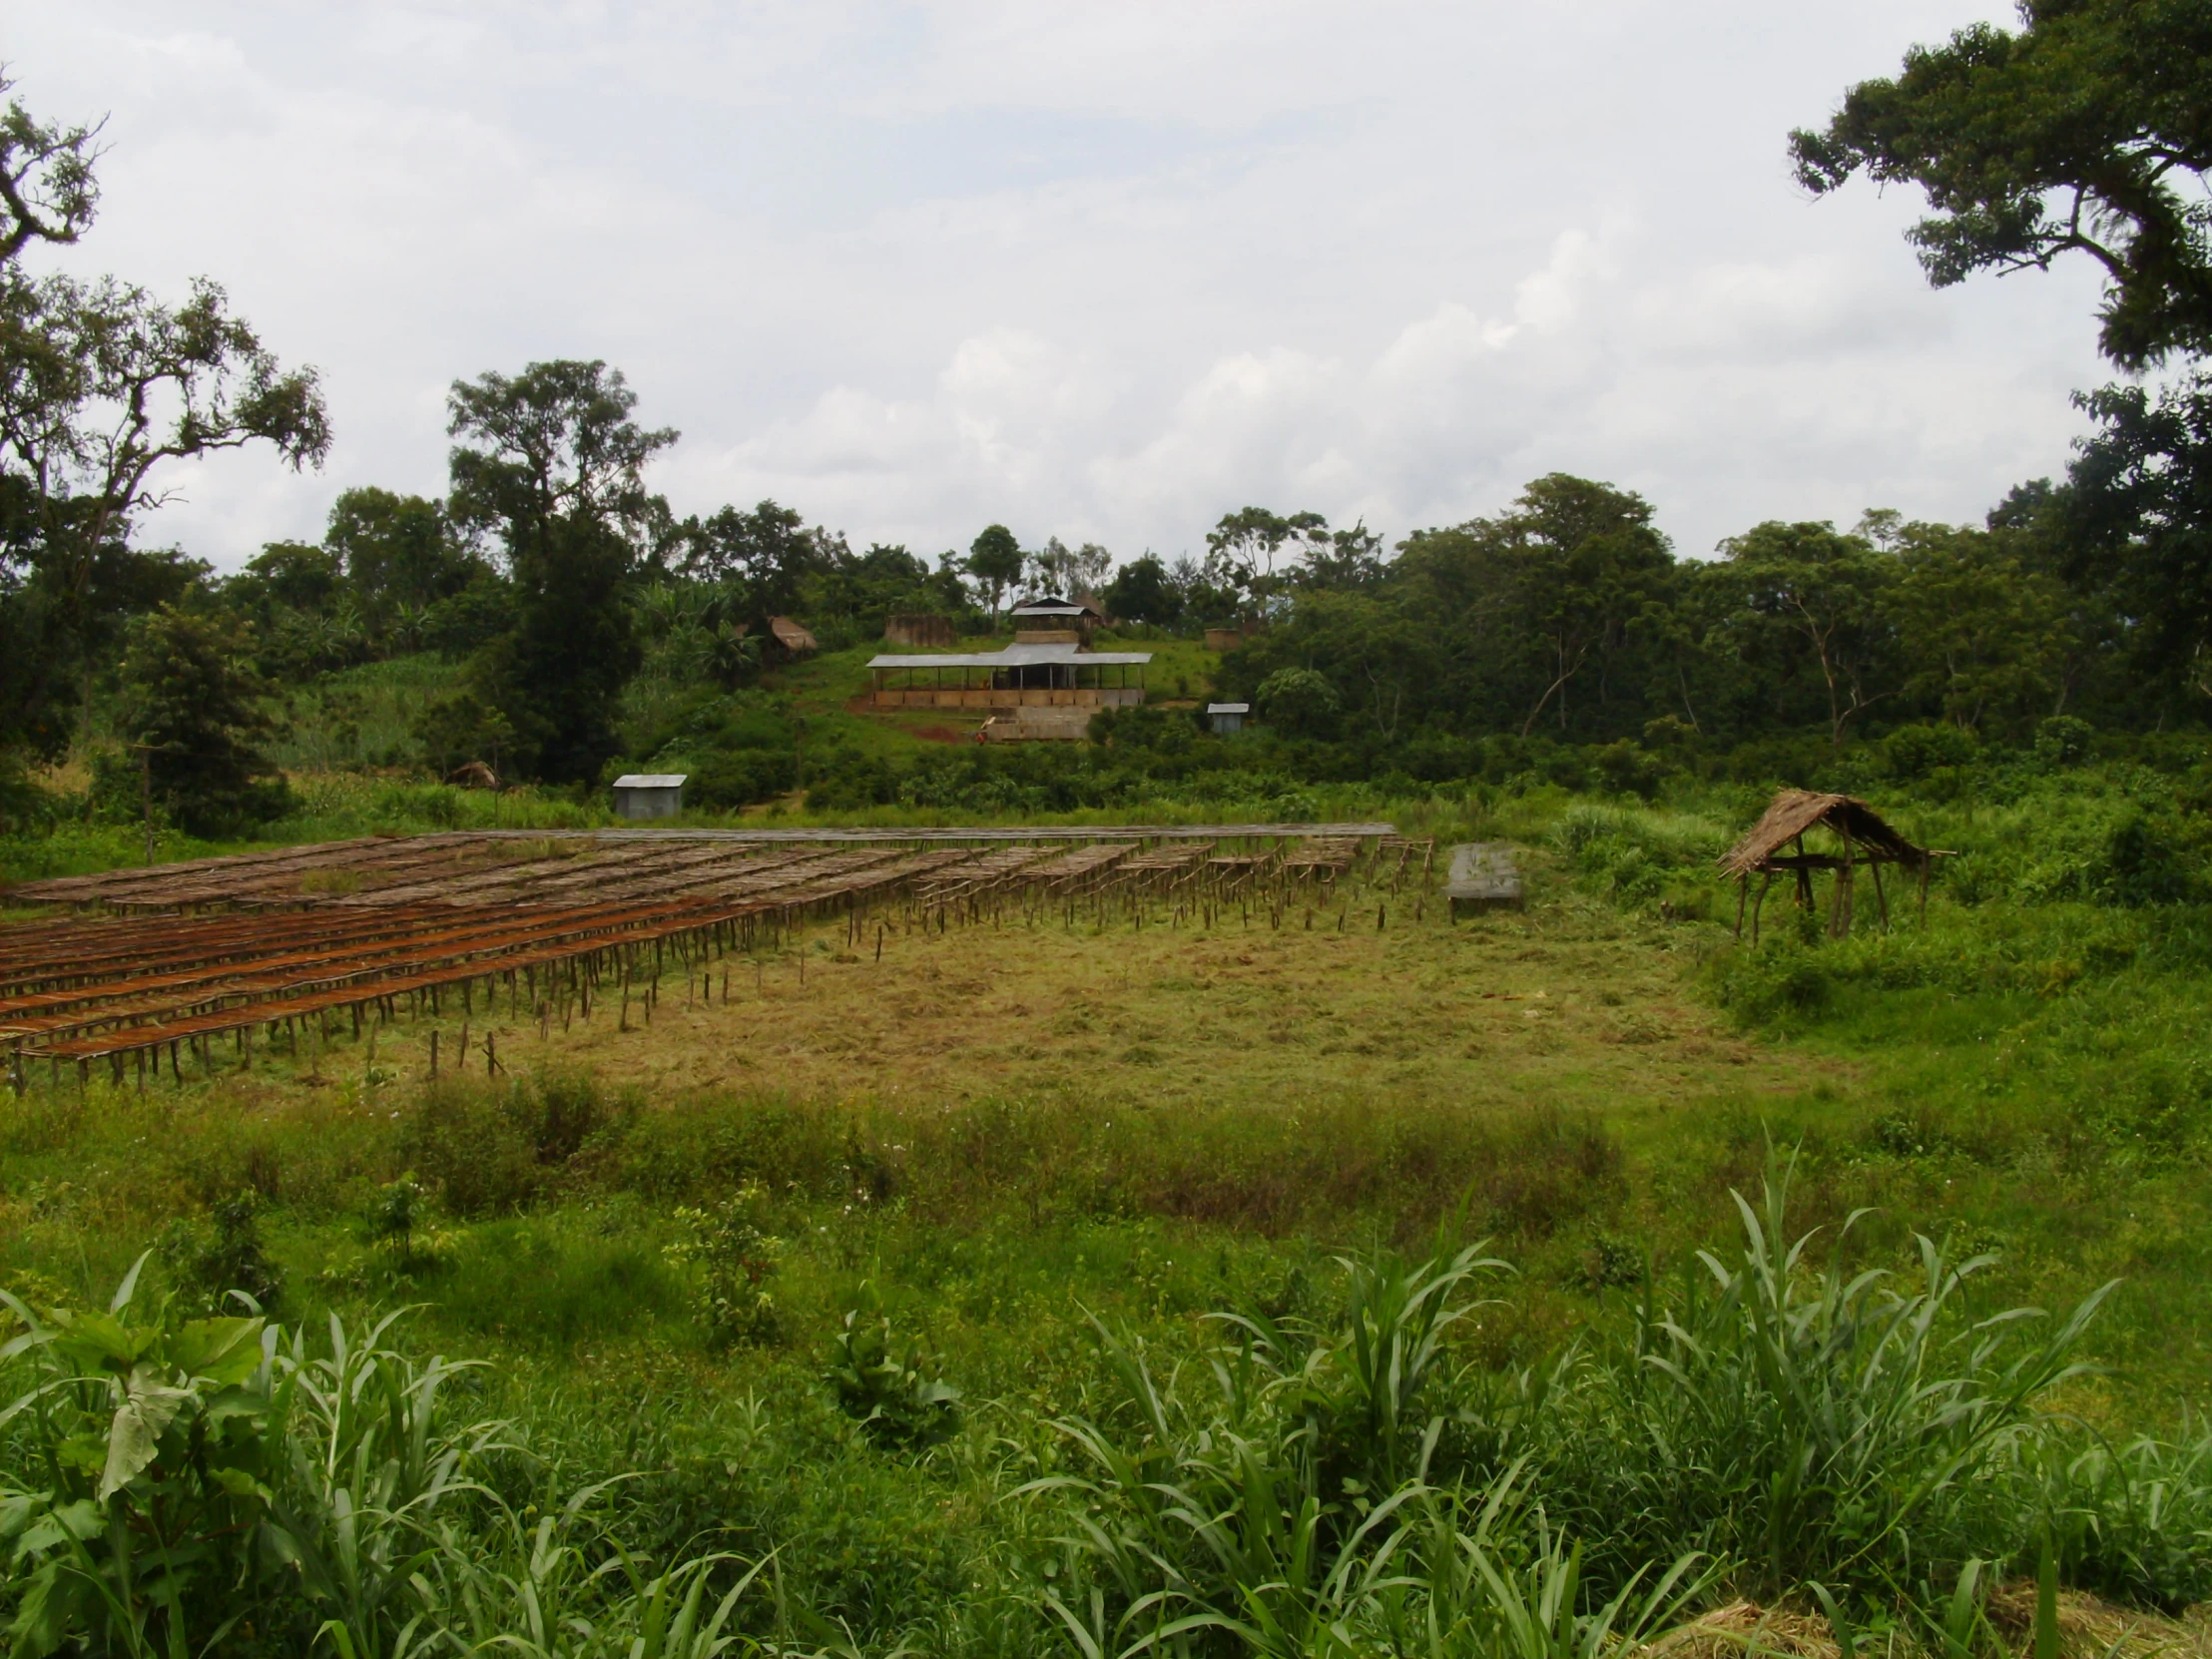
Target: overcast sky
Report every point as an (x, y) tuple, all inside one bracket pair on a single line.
[(1101, 270)]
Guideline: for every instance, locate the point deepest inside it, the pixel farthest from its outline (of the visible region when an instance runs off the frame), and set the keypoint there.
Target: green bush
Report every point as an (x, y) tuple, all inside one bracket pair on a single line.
[(734, 1257), (892, 1386)]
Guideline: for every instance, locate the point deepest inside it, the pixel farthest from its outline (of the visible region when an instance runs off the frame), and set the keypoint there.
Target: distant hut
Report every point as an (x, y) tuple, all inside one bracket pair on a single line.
[(1225, 718), (1050, 620), (792, 637), (1862, 838)]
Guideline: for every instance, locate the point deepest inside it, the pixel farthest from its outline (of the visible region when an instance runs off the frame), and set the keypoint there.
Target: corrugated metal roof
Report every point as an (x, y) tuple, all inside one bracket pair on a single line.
[(1017, 656), (651, 780), (1229, 708)]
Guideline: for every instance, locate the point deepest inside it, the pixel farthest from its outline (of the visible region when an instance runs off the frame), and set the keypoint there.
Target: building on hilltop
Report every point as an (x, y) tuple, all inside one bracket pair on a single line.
[(1048, 620), (1057, 674)]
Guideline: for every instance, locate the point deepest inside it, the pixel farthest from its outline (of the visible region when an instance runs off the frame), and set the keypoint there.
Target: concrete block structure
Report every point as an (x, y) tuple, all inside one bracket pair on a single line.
[(650, 794)]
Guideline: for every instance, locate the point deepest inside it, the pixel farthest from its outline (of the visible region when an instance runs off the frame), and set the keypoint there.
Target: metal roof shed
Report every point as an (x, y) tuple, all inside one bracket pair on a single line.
[(1225, 718), (643, 795)]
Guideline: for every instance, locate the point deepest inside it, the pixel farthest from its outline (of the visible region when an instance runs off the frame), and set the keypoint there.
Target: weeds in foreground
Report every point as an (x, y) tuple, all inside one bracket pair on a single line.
[(1331, 1486)]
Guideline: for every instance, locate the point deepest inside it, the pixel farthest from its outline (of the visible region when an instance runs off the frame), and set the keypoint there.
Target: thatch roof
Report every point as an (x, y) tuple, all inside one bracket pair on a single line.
[(792, 636), (1794, 812)]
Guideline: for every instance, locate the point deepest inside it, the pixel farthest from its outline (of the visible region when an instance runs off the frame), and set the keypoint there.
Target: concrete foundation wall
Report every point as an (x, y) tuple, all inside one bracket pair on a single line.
[(1110, 696)]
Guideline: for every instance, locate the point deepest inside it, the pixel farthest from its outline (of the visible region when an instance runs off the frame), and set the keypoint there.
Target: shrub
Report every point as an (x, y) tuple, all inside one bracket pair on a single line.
[(893, 1388), (209, 1261), (1778, 980), (734, 1257)]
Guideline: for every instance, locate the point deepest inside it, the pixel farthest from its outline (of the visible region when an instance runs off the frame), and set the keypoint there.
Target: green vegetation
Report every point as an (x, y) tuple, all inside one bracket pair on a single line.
[(936, 1338), (1370, 1285)]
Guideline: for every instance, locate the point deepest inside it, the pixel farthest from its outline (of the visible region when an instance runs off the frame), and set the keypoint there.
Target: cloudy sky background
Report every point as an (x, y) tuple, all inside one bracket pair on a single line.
[(1103, 271)]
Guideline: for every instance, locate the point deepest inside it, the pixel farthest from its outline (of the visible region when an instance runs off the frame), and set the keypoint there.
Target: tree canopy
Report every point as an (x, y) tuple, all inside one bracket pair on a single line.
[(2089, 131), (102, 385)]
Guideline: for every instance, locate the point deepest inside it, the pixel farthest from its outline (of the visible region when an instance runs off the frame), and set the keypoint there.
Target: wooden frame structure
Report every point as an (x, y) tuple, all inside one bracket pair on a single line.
[(1864, 839), (1033, 676)]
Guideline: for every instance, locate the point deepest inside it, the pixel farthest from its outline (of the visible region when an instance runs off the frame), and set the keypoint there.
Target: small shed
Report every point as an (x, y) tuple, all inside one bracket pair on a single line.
[(1225, 718), (642, 794), (1861, 839), (793, 636)]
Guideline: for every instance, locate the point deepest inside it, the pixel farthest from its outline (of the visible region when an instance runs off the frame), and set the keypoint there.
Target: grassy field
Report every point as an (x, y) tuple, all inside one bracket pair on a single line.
[(811, 1263)]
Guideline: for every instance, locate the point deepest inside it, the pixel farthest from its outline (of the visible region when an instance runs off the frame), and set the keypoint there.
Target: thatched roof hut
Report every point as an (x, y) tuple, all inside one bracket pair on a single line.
[(793, 637), (1793, 812), (1862, 835)]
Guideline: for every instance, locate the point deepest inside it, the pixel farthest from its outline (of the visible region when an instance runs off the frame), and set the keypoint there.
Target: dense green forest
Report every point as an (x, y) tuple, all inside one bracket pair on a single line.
[(584, 627)]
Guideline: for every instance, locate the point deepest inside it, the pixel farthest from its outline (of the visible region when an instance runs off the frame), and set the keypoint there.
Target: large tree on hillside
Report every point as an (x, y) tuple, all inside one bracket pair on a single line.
[(1245, 551), (551, 463), (400, 556), (761, 560), (995, 559), (1143, 592), (100, 384), (2088, 131)]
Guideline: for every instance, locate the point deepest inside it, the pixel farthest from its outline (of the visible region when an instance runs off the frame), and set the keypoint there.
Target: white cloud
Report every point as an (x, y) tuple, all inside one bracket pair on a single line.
[(1100, 272)]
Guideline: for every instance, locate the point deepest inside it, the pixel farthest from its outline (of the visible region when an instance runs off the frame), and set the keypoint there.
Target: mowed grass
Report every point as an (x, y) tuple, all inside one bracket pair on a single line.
[(1559, 1009)]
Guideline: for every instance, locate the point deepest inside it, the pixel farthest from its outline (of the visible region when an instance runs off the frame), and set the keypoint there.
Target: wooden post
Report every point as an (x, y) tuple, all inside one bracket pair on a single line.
[(145, 796), (1839, 912), (434, 1056)]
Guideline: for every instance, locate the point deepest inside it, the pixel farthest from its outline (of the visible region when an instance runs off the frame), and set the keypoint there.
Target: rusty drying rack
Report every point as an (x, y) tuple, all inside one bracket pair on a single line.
[(363, 932)]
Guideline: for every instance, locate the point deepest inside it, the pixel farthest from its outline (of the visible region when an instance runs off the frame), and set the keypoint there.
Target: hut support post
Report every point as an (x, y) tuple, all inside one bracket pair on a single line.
[(1757, 902), (1839, 911)]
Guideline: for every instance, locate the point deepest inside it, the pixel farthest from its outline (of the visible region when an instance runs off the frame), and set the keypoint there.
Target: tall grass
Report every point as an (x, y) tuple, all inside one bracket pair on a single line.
[(1776, 1428), (1333, 1472)]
